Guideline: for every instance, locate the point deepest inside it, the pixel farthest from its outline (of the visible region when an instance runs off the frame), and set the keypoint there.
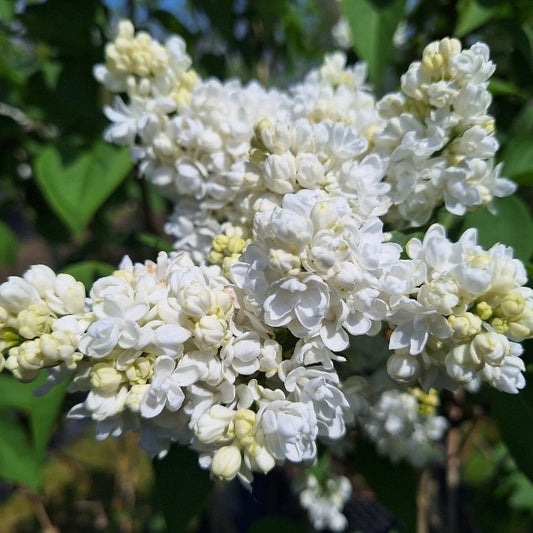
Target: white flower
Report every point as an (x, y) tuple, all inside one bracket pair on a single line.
[(300, 304), (290, 430), (324, 503), (166, 388)]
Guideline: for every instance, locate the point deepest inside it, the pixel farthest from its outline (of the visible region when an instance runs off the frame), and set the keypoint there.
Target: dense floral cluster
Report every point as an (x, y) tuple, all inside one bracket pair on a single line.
[(235, 344), (324, 502)]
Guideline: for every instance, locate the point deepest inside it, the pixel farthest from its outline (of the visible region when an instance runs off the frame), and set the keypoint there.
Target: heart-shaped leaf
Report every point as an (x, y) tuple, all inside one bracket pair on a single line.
[(76, 182), (372, 26)]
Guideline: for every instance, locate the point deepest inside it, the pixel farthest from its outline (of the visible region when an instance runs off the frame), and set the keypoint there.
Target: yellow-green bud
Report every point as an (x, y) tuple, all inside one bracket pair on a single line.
[(244, 426), (483, 310)]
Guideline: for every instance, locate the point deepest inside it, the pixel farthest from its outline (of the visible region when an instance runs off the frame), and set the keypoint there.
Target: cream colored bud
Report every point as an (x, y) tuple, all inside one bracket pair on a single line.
[(448, 47), (105, 378), (222, 303), (215, 257), (261, 460), (522, 327), (403, 367), (210, 332), (491, 347), (512, 305), (236, 244), (140, 371), (226, 462), (263, 131), (216, 425), (29, 355), (34, 321), (484, 310), (13, 365), (431, 65), (126, 30), (244, 426), (134, 397), (500, 324), (58, 346), (465, 325), (220, 242)]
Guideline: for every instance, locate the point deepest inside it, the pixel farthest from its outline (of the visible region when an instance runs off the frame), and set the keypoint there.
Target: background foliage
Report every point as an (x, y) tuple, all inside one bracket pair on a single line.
[(70, 200)]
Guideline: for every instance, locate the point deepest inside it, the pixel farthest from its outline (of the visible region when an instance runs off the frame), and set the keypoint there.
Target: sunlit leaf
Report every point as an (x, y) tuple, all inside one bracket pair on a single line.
[(77, 182), (44, 413), (471, 14), (22, 449), (18, 460), (41, 410), (518, 160), (372, 26), (512, 225), (89, 271), (514, 414), (7, 9)]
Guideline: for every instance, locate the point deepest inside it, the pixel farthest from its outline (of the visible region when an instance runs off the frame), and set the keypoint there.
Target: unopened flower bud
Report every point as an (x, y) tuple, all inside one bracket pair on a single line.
[(244, 426), (105, 378), (210, 332), (216, 425), (465, 325), (403, 368), (226, 462)]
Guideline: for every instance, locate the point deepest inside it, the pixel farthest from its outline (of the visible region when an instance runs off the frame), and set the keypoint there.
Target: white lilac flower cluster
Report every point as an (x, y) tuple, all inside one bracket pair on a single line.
[(438, 137), (324, 501), (234, 344), (166, 349), (36, 331), (402, 423), (466, 317)]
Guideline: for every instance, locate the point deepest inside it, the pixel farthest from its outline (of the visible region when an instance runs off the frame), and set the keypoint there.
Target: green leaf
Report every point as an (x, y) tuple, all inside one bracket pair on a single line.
[(514, 414), (521, 496), (183, 487), (471, 14), (171, 23), (499, 86), (155, 241), (18, 461), (89, 271), (8, 246), (77, 182), (7, 9), (13, 393), (512, 225), (22, 451), (372, 26), (518, 159), (44, 412), (63, 23), (395, 484)]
